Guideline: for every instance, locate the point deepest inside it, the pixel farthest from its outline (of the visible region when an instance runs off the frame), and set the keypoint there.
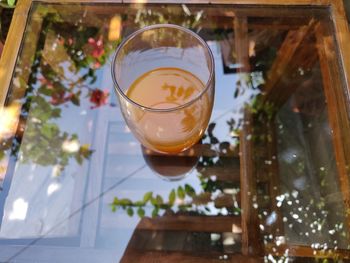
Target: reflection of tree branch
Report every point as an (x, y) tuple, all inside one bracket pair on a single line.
[(184, 198), (182, 16), (177, 199)]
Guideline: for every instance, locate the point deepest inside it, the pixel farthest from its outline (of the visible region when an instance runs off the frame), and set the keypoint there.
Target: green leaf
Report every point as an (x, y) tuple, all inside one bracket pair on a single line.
[(130, 211), (237, 210), (154, 201), (139, 203), (93, 80), (115, 201), (159, 200), (114, 208), (44, 90), (211, 127), (75, 100), (172, 197), (49, 130), (141, 212), (11, 2), (56, 113), (41, 102), (235, 95), (180, 192), (155, 212), (2, 155), (190, 190), (214, 140), (79, 159), (147, 197), (184, 207), (91, 72), (125, 201), (85, 151)]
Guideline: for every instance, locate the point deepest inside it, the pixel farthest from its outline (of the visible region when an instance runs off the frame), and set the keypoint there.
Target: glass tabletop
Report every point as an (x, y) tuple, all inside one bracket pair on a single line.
[(267, 182)]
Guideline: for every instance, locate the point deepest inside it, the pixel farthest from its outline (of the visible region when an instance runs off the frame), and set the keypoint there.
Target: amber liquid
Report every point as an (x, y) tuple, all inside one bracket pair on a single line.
[(176, 129)]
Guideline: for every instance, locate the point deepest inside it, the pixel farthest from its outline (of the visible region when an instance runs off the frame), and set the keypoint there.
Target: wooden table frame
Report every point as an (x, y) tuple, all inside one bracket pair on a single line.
[(342, 35)]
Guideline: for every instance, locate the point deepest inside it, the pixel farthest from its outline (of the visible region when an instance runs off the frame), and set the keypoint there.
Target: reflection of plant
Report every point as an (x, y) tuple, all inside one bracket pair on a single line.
[(179, 15), (156, 201), (170, 15), (263, 110), (47, 144), (7, 3), (49, 89), (6, 13), (182, 199), (215, 192)]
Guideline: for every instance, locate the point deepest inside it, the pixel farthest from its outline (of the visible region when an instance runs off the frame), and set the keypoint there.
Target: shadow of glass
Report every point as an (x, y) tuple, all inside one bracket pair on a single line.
[(172, 167)]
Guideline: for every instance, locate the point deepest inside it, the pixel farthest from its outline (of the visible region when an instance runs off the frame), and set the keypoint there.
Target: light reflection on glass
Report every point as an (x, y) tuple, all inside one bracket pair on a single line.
[(19, 210), (9, 120), (115, 28), (3, 169)]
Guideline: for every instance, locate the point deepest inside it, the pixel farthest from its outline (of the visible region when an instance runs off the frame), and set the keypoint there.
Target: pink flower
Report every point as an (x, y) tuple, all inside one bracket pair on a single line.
[(99, 98), (97, 46), (97, 65)]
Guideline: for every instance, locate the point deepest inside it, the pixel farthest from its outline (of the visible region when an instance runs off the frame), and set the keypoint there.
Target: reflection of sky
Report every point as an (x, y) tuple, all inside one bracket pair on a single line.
[(225, 105), (119, 154)]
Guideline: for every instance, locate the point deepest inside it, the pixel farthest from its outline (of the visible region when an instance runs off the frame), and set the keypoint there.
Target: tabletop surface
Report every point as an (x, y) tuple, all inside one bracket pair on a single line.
[(266, 182)]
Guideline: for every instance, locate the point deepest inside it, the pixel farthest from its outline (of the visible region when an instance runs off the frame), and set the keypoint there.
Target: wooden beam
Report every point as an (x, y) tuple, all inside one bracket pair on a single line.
[(167, 1), (12, 46), (274, 2), (277, 23), (342, 35), (223, 174), (131, 256), (1, 48), (305, 251), (211, 224), (273, 176), (337, 106), (251, 241), (287, 56), (78, 1), (237, 2), (29, 46), (242, 43)]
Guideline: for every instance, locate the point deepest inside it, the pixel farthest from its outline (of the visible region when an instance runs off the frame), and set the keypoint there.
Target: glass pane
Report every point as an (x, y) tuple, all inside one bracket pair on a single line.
[(78, 186)]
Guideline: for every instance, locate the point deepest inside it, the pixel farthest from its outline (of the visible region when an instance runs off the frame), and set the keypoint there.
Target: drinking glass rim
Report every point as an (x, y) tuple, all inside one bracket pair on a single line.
[(141, 30)]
